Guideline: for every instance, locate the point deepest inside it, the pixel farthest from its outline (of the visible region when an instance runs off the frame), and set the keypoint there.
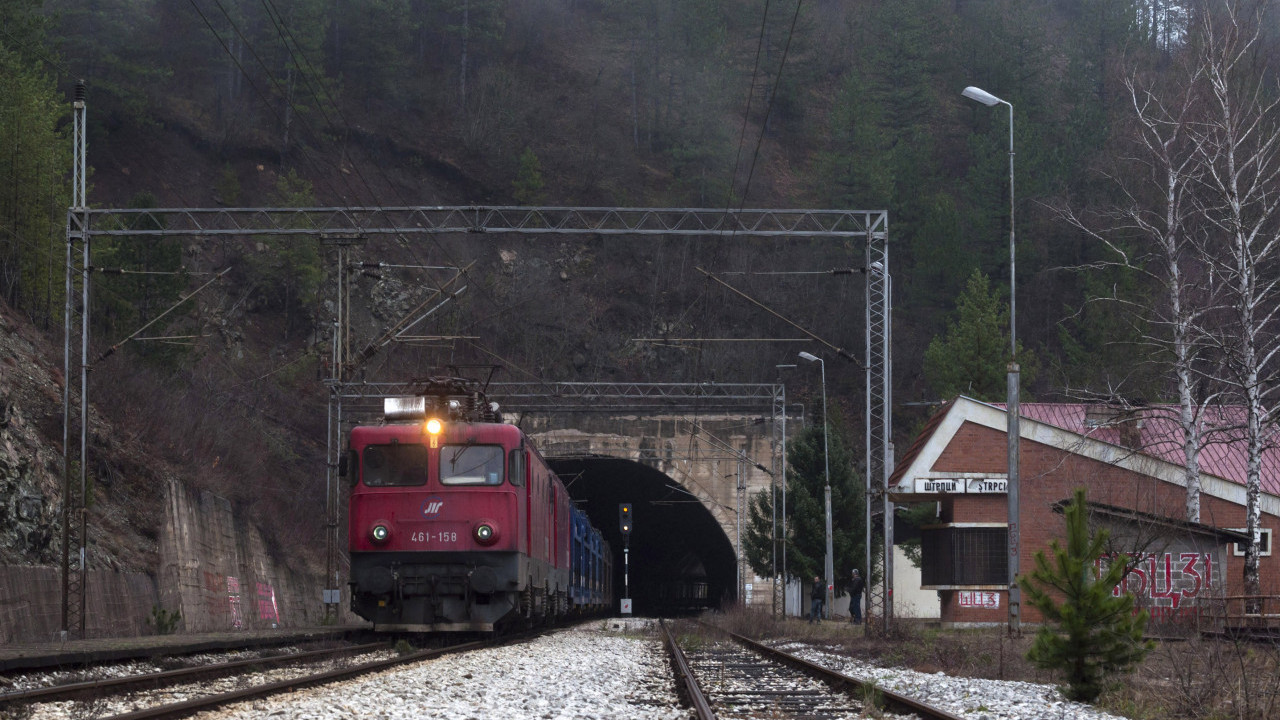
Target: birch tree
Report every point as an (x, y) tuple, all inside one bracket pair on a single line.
[(1152, 230), (1238, 143)]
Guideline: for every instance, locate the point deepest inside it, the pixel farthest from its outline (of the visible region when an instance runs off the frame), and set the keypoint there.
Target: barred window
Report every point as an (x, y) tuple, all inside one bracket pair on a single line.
[(964, 556)]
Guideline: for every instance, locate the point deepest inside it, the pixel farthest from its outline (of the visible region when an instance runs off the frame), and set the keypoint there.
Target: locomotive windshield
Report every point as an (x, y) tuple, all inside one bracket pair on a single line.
[(471, 465), (394, 465)]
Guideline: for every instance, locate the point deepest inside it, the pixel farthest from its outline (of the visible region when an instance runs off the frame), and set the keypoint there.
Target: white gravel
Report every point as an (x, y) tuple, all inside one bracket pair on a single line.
[(973, 698), (618, 671), (605, 669)]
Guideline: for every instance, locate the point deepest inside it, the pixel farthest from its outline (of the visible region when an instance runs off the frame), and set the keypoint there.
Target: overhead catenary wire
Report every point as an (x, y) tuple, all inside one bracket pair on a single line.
[(835, 348), (832, 271), (721, 340), (154, 320)]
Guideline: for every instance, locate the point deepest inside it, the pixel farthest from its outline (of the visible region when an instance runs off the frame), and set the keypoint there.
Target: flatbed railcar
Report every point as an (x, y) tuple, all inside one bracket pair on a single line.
[(456, 522)]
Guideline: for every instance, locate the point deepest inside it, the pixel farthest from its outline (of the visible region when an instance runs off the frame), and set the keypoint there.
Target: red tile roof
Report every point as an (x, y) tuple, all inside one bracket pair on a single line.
[(1224, 454)]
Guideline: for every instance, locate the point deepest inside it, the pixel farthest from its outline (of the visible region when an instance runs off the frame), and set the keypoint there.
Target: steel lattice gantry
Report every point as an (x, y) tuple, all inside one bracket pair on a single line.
[(342, 226), (879, 438)]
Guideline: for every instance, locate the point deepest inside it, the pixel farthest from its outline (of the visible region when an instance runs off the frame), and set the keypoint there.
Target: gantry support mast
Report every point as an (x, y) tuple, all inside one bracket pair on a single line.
[(879, 438), (75, 406)]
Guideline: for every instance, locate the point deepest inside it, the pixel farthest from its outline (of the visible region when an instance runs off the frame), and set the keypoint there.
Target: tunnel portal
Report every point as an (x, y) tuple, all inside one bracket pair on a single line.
[(680, 558)]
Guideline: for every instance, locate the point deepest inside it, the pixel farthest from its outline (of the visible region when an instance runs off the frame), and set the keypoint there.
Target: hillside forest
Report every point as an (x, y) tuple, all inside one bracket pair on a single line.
[(1144, 200)]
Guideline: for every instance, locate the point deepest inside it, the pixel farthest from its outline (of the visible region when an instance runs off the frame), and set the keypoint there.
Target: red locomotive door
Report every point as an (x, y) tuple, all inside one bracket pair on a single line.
[(531, 507)]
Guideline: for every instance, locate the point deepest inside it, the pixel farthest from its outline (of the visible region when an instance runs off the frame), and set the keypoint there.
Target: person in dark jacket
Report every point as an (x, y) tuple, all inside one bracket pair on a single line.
[(856, 586), (817, 597)]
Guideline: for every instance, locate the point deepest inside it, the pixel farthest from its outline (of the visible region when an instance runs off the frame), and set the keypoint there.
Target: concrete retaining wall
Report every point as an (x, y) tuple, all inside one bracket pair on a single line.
[(118, 604), (216, 569)]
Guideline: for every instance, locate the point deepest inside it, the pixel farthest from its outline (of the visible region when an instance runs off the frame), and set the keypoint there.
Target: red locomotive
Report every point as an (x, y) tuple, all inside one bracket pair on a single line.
[(457, 524)]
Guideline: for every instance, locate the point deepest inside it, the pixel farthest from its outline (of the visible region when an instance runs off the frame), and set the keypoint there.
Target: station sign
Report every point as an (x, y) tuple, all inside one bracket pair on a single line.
[(954, 486)]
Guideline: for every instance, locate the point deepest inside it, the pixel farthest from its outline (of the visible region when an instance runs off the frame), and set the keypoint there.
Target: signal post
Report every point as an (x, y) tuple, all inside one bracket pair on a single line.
[(624, 526)]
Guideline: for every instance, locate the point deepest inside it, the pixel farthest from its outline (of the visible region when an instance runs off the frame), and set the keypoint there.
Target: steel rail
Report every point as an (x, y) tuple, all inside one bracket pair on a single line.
[(687, 680), (860, 688), (190, 707), (96, 688)]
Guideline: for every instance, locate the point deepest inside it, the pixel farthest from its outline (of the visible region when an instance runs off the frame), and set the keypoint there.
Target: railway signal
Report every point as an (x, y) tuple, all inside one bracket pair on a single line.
[(624, 518), (624, 525)]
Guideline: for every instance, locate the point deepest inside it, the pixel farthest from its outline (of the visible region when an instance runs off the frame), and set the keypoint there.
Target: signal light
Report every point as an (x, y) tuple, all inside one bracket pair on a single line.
[(485, 534), (624, 518), (379, 533)]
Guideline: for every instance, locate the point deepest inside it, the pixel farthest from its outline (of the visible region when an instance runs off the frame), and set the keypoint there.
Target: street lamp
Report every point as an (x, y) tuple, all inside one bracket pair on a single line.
[(784, 489), (826, 462), (1013, 409)]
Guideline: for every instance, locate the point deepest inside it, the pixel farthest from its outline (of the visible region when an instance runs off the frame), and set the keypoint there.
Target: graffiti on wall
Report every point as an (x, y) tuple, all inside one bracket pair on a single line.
[(225, 605), (222, 594), (1165, 582), (233, 601), (267, 609)]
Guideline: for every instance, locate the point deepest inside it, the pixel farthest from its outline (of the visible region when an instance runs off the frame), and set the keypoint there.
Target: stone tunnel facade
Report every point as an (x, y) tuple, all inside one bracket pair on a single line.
[(703, 454)]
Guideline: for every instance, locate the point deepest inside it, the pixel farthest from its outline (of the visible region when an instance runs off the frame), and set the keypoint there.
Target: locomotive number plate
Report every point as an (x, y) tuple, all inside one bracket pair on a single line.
[(440, 537)]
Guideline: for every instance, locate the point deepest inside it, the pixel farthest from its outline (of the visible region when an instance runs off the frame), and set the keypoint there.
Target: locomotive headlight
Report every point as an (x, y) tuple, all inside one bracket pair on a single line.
[(486, 533), (434, 426), (379, 533)]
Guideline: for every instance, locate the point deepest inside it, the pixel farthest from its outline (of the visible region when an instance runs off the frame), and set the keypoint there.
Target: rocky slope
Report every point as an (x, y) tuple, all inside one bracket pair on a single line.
[(125, 522)]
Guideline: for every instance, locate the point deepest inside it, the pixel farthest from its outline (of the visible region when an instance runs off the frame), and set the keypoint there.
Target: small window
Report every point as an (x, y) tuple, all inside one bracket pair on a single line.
[(515, 467), (964, 556), (394, 465), (1264, 543), (471, 465)]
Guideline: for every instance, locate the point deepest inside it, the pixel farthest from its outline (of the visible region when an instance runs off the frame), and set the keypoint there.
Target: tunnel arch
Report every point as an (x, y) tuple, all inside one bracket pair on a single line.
[(676, 541)]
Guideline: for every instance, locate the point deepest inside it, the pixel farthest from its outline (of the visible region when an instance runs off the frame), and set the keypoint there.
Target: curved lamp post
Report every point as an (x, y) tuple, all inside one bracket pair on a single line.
[(826, 462), (1012, 410)]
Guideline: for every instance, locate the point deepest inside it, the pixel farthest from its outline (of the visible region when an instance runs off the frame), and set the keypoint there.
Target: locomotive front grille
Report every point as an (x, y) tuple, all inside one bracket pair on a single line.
[(429, 590)]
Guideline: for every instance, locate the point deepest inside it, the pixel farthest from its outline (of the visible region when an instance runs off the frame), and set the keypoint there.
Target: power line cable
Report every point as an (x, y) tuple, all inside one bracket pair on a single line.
[(769, 108), (38, 52), (322, 93), (742, 134), (276, 83)]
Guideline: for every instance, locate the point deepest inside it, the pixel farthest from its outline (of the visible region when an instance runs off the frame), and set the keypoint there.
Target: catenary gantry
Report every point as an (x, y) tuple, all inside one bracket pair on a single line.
[(343, 226)]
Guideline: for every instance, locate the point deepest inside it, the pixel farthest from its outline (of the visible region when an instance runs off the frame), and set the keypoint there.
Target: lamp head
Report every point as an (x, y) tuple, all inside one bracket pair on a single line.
[(982, 96), (808, 356)]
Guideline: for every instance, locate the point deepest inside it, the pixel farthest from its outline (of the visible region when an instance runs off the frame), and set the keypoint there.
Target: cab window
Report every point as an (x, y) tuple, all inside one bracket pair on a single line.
[(471, 465), (515, 467), (394, 465)]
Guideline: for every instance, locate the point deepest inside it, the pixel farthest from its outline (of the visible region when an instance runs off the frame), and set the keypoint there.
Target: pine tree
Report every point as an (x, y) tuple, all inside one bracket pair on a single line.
[(529, 188), (971, 359), (1089, 633), (806, 509)]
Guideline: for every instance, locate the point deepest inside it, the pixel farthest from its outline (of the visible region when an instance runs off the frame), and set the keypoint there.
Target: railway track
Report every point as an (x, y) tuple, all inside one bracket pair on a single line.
[(90, 689), (725, 675), (144, 696)]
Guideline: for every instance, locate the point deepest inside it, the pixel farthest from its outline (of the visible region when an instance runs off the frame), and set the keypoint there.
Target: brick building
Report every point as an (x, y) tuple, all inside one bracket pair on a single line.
[(1130, 461)]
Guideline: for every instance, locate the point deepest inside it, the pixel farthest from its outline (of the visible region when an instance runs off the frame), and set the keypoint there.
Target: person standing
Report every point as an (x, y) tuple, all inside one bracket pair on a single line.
[(856, 586), (817, 596)]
